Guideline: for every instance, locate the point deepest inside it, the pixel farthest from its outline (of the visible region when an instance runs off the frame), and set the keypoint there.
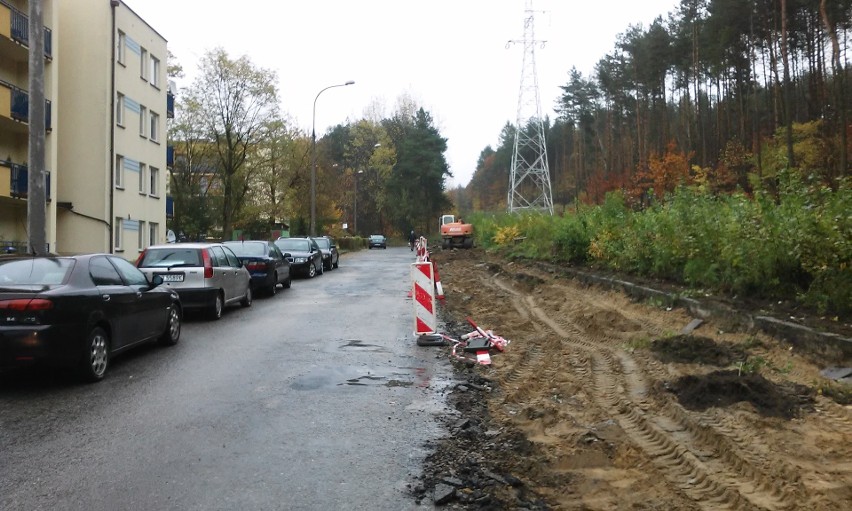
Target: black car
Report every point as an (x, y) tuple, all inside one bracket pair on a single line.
[(305, 255), (330, 255), (79, 311), (265, 262), (378, 241)]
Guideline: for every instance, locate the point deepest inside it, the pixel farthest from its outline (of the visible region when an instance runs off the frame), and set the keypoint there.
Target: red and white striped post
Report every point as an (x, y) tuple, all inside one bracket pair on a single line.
[(423, 291)]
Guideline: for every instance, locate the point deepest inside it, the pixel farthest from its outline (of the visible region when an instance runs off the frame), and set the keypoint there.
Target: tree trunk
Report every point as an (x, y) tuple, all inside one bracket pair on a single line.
[(839, 73), (788, 107)]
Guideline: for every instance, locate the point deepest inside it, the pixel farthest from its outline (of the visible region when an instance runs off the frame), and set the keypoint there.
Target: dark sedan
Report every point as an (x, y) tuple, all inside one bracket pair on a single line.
[(378, 241), (265, 262), (305, 255), (330, 254), (80, 311)]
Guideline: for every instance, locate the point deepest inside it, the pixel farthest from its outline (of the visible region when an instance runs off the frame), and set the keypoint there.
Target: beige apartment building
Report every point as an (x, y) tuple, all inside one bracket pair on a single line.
[(106, 148), (14, 121)]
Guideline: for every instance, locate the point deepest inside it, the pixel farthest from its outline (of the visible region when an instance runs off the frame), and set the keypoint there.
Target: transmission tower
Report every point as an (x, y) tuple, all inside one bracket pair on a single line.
[(529, 182)]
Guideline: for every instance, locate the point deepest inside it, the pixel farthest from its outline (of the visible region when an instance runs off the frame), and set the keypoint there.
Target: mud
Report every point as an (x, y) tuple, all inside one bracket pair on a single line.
[(598, 403)]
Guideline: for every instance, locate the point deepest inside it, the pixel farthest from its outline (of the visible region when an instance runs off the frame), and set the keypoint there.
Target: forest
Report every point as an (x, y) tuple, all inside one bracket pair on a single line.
[(728, 91)]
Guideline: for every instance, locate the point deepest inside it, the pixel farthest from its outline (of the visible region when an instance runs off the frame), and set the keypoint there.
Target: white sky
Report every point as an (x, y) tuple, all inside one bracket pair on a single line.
[(449, 55)]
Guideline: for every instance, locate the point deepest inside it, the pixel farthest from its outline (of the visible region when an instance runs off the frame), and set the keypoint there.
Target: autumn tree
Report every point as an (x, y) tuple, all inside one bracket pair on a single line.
[(235, 103)]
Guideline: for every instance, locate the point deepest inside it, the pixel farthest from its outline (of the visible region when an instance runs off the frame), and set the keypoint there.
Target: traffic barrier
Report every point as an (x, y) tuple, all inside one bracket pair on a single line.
[(423, 291), (422, 250), (439, 289)]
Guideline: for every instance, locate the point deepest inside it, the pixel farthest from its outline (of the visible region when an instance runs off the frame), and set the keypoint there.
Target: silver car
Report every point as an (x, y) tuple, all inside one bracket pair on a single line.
[(206, 276)]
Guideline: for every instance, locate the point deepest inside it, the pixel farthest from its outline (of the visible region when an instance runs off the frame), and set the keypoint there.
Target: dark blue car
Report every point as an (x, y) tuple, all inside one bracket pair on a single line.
[(265, 262)]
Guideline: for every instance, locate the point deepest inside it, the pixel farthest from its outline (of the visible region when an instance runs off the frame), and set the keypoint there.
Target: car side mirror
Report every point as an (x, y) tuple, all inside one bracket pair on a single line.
[(156, 280), (287, 255)]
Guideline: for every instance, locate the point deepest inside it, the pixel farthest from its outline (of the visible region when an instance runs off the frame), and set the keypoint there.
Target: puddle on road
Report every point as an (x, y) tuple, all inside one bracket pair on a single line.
[(361, 345), (339, 376)]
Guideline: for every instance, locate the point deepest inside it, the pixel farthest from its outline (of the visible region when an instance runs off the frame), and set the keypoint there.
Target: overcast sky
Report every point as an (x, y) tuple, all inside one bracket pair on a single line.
[(449, 55)]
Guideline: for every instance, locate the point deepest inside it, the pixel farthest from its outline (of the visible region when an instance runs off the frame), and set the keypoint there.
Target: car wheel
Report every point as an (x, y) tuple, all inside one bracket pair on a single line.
[(218, 306), (172, 334), (274, 287), (320, 269), (95, 360), (288, 282), (246, 301), (336, 264), (312, 271)]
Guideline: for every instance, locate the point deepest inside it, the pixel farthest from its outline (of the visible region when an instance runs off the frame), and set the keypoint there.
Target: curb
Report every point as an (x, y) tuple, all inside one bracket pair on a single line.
[(826, 347)]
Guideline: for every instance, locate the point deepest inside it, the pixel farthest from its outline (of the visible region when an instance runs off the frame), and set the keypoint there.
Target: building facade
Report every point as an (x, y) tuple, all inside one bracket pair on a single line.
[(14, 121), (113, 103)]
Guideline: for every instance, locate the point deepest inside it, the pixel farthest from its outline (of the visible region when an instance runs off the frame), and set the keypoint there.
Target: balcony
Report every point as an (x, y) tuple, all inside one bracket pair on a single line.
[(170, 156), (170, 207), (19, 29), (18, 107), (17, 186), (170, 105)]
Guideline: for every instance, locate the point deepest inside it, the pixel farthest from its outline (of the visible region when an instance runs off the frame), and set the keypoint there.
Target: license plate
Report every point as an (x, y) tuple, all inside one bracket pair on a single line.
[(173, 277)]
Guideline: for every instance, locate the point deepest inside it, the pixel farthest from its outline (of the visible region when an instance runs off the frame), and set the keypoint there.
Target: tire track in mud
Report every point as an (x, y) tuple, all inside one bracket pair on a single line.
[(684, 450)]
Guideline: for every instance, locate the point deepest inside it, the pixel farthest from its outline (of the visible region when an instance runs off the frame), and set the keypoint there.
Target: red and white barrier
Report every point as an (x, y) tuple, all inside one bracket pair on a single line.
[(423, 292)]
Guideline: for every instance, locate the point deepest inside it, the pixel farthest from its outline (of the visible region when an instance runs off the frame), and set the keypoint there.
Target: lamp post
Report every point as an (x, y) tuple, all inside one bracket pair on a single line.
[(355, 207), (314, 157)]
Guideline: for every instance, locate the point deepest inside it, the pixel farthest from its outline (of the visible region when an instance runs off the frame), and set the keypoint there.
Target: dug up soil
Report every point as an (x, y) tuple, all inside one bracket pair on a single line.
[(601, 402)]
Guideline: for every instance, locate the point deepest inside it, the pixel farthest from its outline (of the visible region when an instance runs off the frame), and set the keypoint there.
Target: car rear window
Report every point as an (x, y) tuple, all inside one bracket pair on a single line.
[(248, 249), (44, 271), (323, 243), (170, 257)]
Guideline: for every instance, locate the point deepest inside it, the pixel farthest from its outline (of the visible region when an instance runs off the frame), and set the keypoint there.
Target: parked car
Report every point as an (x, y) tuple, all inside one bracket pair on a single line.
[(80, 311), (207, 276), (265, 262), (377, 241), (305, 255), (330, 254)]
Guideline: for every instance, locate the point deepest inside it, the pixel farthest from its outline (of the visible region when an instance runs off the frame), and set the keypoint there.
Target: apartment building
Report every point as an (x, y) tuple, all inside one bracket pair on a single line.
[(113, 104), (14, 121)]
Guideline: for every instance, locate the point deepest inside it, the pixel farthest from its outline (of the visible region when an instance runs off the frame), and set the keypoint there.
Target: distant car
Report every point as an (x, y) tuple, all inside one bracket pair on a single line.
[(305, 255), (377, 241), (330, 255), (265, 262), (207, 276), (80, 311)]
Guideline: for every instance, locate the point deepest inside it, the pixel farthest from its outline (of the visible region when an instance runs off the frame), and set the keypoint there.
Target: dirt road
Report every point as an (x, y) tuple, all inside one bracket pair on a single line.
[(600, 402)]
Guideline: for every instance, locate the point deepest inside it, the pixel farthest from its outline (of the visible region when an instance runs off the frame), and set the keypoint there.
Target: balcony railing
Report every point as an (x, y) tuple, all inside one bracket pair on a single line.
[(19, 184), (20, 107), (170, 207), (170, 156), (20, 30)]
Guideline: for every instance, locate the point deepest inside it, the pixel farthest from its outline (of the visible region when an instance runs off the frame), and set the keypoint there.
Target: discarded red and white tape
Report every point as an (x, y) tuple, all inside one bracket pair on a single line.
[(423, 292)]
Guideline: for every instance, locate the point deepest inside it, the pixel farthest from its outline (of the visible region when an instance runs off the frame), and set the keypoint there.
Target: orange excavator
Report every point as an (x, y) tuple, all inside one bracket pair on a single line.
[(455, 233)]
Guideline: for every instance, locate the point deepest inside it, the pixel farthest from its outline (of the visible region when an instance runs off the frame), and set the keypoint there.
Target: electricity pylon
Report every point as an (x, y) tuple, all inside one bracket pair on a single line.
[(529, 181)]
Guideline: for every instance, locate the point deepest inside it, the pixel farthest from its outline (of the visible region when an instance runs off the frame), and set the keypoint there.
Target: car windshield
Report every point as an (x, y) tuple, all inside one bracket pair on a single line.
[(323, 243), (294, 245), (377, 237), (44, 271), (248, 248), (168, 257)]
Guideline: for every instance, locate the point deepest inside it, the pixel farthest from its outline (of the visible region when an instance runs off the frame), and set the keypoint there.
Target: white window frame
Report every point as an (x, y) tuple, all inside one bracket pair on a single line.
[(155, 182), (155, 126), (118, 234), (143, 121), (142, 178), (118, 176), (153, 233), (154, 77), (142, 236), (119, 110), (122, 48), (143, 64)]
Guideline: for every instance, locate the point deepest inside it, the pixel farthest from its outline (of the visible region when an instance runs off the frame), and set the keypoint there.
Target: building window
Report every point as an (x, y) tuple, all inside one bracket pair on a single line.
[(142, 178), (153, 233), (155, 182), (143, 235), (122, 47), (155, 127), (117, 237), (143, 121), (143, 65), (119, 109), (155, 71), (119, 171)]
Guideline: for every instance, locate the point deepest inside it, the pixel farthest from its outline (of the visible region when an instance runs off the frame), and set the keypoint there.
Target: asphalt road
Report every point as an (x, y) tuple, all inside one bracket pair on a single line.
[(317, 398)]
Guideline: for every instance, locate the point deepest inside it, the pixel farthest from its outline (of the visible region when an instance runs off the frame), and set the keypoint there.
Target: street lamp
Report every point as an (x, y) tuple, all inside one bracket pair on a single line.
[(314, 158)]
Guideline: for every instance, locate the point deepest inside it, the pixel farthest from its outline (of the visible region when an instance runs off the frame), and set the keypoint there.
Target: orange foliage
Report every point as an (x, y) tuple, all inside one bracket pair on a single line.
[(663, 173), (598, 185)]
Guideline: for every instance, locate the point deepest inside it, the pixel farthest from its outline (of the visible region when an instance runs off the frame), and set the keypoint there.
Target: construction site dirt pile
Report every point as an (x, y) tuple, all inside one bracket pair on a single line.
[(600, 402)]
